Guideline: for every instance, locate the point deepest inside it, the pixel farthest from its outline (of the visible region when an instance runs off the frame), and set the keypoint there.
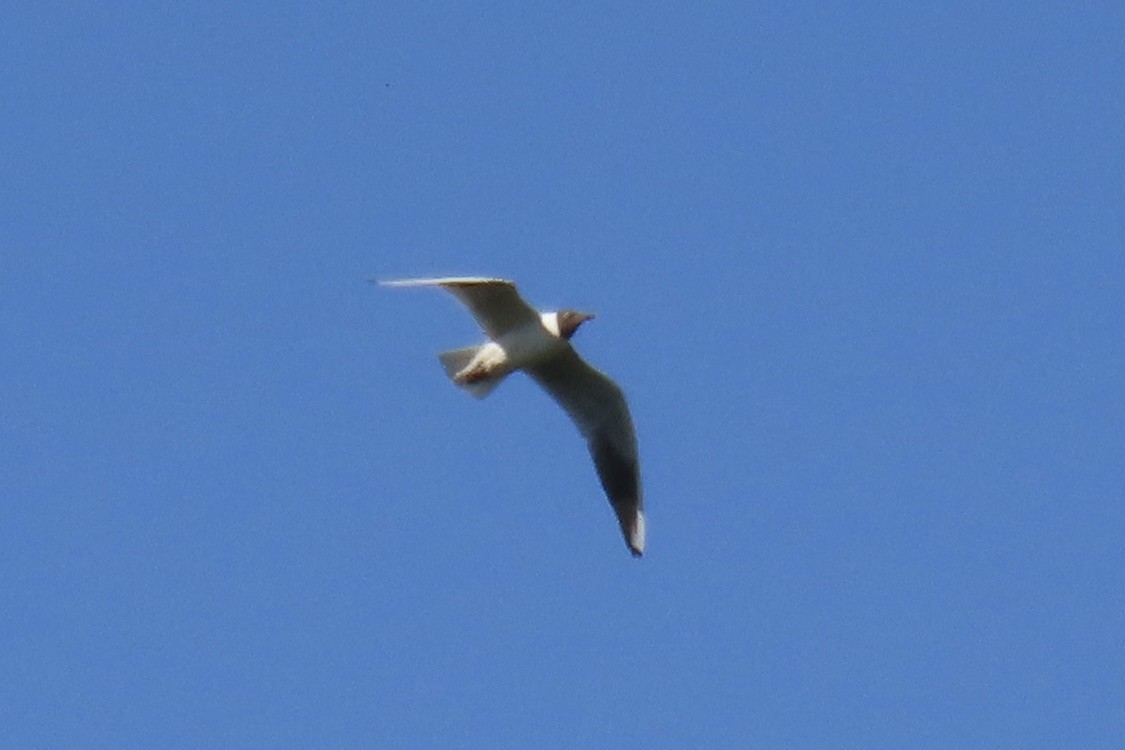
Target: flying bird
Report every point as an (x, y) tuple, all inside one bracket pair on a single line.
[(523, 338)]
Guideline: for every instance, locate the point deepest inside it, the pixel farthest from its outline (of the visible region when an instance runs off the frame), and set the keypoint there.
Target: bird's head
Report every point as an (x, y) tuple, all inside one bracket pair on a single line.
[(570, 320)]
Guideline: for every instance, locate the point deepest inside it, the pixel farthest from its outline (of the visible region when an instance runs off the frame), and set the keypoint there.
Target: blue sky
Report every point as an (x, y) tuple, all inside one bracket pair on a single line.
[(860, 271)]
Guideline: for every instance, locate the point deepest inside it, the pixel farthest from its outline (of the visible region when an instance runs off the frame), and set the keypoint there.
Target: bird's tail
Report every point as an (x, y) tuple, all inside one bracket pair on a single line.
[(455, 361)]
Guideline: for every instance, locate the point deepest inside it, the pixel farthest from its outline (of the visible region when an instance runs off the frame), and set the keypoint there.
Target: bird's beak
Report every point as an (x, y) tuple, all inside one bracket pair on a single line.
[(587, 316)]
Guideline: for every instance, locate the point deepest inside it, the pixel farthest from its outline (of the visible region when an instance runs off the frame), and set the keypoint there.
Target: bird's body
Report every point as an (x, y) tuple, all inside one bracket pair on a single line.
[(515, 349), (522, 338)]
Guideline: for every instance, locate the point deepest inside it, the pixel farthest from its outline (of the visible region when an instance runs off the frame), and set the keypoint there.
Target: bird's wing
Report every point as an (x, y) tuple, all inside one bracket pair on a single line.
[(495, 303), (598, 408)]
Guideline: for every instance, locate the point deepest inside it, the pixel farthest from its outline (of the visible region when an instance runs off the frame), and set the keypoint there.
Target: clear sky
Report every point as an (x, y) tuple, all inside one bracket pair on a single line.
[(859, 269)]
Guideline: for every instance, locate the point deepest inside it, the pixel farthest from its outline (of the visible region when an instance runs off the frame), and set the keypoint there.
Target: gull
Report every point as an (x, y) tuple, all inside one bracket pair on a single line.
[(523, 338)]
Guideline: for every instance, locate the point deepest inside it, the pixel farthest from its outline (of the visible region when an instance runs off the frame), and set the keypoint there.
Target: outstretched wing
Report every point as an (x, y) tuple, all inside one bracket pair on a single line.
[(598, 408), (495, 303)]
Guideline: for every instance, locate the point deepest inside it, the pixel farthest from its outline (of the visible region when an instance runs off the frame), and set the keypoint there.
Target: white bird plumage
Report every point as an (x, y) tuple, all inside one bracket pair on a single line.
[(522, 338)]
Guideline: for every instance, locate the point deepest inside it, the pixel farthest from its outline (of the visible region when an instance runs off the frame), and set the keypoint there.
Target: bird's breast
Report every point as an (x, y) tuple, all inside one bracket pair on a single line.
[(529, 345)]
